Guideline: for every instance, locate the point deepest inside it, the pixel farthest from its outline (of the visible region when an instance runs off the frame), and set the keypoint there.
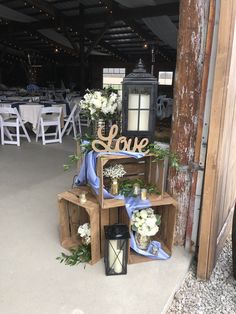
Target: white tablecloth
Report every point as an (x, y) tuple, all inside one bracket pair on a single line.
[(29, 113)]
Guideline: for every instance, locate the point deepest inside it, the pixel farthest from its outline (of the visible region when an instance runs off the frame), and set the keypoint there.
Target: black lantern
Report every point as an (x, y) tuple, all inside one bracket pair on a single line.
[(116, 249), (139, 94)]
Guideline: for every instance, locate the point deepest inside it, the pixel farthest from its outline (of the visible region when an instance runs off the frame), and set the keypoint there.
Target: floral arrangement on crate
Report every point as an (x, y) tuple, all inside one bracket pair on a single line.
[(82, 254), (145, 222), (101, 104), (114, 172)]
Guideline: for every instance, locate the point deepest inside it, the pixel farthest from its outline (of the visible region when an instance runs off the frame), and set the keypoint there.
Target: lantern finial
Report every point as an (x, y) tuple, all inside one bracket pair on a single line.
[(140, 67)]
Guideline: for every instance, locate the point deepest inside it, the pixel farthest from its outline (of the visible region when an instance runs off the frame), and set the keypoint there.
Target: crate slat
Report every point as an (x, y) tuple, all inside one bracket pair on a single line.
[(144, 168)]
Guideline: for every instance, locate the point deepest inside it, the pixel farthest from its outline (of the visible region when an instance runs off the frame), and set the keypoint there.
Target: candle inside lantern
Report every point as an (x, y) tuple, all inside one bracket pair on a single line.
[(144, 120), (136, 188), (82, 197), (133, 114), (143, 194)]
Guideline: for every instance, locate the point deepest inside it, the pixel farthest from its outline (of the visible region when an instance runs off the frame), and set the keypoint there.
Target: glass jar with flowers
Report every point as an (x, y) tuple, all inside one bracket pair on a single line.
[(114, 172), (84, 232), (145, 223), (102, 107)]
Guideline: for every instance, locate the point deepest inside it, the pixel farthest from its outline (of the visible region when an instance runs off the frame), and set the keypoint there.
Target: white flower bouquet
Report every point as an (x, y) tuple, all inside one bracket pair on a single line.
[(100, 104), (145, 222), (85, 233), (114, 172)]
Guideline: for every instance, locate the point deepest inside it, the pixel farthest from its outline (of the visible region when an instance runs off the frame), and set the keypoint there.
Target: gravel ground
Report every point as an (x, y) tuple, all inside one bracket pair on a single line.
[(218, 295)]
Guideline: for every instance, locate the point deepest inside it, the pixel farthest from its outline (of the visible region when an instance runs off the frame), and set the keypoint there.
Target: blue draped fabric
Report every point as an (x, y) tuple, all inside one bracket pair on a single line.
[(87, 175)]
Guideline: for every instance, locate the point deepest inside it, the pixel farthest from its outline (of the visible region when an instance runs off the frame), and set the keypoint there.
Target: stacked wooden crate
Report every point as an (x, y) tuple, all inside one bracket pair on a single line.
[(100, 212), (72, 214)]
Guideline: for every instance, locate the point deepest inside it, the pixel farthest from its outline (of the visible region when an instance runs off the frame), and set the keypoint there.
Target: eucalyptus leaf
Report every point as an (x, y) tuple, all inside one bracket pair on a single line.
[(80, 255)]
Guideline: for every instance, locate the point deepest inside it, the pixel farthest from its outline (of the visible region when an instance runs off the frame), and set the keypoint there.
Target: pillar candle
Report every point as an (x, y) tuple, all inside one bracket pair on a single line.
[(143, 194), (82, 198)]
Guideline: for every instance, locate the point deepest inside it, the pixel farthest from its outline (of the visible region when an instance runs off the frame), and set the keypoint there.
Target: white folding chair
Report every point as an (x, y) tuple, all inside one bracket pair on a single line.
[(72, 121), (10, 118), (49, 116)]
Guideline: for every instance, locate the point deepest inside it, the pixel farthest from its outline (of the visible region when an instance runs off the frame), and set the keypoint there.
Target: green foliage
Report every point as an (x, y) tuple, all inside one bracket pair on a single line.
[(126, 187), (72, 159), (107, 91), (80, 255), (158, 220), (86, 146), (161, 153)]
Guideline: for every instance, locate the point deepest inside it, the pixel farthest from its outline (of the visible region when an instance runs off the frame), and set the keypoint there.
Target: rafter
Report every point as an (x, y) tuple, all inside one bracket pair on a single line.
[(59, 17), (118, 14), (98, 38)]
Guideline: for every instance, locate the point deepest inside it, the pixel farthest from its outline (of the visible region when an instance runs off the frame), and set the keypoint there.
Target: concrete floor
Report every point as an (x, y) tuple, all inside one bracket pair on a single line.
[(31, 280)]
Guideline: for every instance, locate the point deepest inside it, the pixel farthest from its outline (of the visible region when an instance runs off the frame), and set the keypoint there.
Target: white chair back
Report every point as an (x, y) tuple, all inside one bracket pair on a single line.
[(49, 116)]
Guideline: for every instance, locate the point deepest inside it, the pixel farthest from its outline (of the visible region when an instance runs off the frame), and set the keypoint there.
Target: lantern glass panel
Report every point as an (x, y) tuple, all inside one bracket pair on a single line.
[(144, 120), (145, 101), (116, 256), (133, 120), (133, 101), (138, 108)]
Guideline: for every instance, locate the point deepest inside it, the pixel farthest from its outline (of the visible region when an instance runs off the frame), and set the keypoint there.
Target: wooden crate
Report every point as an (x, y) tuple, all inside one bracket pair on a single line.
[(72, 214), (144, 168), (166, 207)]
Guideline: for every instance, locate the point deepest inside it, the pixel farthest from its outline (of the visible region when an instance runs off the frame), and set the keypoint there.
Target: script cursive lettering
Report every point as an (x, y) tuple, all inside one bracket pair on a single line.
[(104, 143)]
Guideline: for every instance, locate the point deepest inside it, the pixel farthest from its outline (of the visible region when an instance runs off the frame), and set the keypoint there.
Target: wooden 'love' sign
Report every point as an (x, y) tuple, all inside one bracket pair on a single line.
[(121, 144)]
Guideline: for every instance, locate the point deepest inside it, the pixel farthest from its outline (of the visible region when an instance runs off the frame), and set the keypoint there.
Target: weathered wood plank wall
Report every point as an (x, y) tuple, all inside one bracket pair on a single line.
[(220, 176), (187, 96)]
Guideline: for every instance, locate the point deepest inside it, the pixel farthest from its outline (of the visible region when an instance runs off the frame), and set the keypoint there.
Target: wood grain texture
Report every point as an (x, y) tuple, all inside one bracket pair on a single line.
[(187, 94), (144, 168), (220, 176)]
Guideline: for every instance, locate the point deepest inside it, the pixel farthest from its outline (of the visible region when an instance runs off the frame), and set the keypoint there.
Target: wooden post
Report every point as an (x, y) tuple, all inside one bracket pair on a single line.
[(187, 95)]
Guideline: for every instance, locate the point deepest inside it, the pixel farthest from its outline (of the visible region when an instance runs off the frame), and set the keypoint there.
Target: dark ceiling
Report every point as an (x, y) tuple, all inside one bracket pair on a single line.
[(64, 30)]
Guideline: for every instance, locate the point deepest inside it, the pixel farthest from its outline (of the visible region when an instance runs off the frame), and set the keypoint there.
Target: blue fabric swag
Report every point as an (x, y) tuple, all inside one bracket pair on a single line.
[(87, 175)]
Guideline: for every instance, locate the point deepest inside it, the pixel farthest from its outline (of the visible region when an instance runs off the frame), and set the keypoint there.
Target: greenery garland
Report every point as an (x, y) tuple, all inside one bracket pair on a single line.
[(126, 187), (154, 149)]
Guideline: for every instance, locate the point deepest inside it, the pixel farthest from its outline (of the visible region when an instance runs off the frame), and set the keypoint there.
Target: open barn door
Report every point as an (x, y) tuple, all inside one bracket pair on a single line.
[(219, 192)]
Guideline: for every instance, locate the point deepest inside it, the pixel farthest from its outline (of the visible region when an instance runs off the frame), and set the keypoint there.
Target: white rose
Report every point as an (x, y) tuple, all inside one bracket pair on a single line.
[(143, 214), (153, 231), (97, 94), (151, 222), (97, 103)]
